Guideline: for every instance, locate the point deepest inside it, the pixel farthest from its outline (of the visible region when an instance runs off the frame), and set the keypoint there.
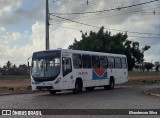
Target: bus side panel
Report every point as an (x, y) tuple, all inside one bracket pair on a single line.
[(111, 73), (123, 74), (100, 76), (87, 78), (117, 75), (59, 86), (69, 82)]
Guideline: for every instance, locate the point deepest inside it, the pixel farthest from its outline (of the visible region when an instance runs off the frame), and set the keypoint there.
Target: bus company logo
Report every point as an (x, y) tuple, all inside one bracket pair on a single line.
[(83, 73), (99, 74)]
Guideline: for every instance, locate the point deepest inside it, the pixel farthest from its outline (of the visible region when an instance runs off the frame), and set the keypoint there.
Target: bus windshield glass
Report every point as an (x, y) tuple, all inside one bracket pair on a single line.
[(46, 64)]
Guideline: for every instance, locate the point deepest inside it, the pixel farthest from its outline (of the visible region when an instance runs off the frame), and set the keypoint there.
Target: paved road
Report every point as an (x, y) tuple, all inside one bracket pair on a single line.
[(119, 98)]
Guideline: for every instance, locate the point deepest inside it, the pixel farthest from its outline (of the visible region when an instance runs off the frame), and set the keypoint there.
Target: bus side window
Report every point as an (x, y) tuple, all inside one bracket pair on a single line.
[(66, 65), (118, 62), (124, 63), (103, 62), (86, 61), (95, 62), (110, 62), (77, 62)]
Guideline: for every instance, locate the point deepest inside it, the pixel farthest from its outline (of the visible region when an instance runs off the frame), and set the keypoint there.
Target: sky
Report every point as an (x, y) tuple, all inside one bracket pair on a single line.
[(22, 25)]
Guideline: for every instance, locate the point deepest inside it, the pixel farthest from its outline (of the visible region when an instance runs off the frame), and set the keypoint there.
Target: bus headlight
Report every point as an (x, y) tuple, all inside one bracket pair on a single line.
[(58, 80)]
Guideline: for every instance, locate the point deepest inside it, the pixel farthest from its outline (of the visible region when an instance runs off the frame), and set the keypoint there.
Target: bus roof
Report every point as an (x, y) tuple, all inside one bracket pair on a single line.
[(84, 52)]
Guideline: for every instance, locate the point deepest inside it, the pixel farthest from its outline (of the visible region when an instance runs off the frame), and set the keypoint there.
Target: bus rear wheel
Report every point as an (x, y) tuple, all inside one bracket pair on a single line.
[(52, 92), (111, 85)]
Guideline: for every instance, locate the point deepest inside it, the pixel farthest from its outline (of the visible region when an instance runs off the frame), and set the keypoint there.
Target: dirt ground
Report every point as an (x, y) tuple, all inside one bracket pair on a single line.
[(21, 83), (141, 78)]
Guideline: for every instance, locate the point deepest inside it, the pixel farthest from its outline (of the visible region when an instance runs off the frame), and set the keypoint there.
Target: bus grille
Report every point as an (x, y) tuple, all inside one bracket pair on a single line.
[(44, 87)]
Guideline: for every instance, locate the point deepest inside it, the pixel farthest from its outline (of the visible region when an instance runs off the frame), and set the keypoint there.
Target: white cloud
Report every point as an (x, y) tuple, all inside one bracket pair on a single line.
[(62, 38), (8, 37), (59, 38), (7, 5), (63, 34), (2, 29)]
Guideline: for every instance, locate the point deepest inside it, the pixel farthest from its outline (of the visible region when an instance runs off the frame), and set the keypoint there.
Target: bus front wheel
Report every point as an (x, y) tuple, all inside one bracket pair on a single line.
[(52, 92), (78, 88)]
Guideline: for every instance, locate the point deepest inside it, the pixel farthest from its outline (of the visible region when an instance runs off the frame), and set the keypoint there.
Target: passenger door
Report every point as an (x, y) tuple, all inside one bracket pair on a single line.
[(67, 72)]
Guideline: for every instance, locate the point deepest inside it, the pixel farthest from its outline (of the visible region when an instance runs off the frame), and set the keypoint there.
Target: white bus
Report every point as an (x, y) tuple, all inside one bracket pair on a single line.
[(62, 69)]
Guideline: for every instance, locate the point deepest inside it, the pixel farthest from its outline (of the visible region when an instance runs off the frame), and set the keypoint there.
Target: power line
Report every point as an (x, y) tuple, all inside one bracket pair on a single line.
[(54, 0), (144, 37), (100, 27), (119, 14), (78, 29), (114, 15), (66, 27), (79, 3), (119, 8), (110, 16)]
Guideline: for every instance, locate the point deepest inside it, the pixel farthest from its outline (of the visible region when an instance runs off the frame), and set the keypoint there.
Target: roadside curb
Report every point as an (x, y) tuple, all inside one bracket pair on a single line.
[(152, 94), (17, 93), (123, 86)]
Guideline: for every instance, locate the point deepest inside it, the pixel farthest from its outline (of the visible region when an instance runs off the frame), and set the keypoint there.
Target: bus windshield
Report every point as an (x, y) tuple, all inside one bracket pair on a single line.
[(46, 64)]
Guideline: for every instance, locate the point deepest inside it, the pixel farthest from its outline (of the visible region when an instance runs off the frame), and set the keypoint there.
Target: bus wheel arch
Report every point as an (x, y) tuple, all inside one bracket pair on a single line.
[(78, 86)]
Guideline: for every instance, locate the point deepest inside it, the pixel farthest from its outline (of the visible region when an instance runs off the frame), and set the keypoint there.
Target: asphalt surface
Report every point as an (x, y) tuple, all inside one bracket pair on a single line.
[(119, 98)]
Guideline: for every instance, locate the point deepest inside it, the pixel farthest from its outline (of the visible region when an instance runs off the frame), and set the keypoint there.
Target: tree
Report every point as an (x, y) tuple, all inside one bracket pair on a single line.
[(23, 69), (1, 71), (8, 65), (105, 42), (148, 66), (10, 69)]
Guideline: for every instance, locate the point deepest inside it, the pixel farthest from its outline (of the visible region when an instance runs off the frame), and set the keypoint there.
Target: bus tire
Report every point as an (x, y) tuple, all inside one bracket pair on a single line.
[(111, 84), (52, 92), (78, 86)]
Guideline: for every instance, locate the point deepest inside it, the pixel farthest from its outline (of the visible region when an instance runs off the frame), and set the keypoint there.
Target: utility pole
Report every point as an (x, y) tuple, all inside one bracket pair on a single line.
[(87, 2), (47, 25)]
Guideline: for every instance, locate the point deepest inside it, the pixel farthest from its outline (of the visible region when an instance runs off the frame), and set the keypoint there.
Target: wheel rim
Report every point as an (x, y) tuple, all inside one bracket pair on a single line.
[(112, 84), (77, 87)]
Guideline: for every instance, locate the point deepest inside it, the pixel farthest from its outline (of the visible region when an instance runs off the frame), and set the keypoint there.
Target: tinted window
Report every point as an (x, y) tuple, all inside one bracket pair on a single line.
[(118, 62), (77, 63), (95, 62), (67, 65), (86, 61), (46, 55), (110, 62), (46, 64), (124, 63), (103, 62)]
